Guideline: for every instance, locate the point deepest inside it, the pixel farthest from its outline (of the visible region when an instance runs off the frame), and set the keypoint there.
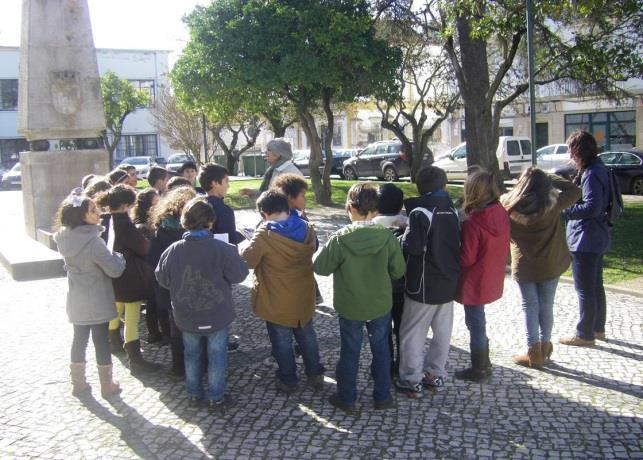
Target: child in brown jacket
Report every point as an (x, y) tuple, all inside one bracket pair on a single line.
[(284, 289)]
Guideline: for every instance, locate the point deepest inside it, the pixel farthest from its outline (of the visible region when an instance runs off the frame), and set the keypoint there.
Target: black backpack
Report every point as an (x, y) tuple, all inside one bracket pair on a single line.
[(615, 205)]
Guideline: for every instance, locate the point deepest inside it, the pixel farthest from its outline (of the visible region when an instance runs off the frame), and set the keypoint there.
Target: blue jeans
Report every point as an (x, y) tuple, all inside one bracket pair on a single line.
[(587, 269), (475, 320), (351, 333), (538, 306), (217, 351), (281, 340)]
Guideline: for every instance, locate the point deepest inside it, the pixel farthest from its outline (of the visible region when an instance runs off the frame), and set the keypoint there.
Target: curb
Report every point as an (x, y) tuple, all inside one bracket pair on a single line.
[(608, 287)]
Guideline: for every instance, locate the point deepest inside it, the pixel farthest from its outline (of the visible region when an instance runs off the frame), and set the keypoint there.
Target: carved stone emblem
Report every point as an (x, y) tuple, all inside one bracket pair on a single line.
[(65, 91)]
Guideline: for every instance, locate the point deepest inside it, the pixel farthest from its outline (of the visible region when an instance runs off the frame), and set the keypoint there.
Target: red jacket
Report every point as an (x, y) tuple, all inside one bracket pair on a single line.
[(483, 255)]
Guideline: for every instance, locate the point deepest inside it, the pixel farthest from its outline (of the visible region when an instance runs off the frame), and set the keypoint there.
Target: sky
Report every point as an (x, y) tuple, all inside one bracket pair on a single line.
[(134, 24)]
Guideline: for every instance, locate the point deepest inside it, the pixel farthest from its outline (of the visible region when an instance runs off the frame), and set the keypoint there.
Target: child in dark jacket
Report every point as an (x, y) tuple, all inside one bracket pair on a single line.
[(199, 271), (390, 200), (135, 284), (284, 292), (485, 245), (363, 257), (214, 180), (166, 220), (431, 244)]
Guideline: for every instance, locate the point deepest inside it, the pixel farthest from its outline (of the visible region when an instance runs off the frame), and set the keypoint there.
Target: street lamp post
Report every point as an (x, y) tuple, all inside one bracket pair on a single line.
[(532, 92)]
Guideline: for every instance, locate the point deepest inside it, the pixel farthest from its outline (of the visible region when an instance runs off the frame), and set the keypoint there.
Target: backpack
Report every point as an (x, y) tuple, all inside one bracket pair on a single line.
[(615, 205)]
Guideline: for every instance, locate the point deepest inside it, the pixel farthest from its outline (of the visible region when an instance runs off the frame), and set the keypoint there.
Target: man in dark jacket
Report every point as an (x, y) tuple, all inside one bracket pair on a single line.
[(431, 244)]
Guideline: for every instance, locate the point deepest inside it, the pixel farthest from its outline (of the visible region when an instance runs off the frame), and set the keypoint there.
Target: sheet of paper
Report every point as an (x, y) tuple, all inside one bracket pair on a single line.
[(222, 237)]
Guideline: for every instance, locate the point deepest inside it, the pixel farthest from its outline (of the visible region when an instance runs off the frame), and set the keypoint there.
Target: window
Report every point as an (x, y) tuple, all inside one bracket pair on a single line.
[(610, 158), (148, 87), (526, 147), (337, 134), (460, 153), (612, 130), (561, 150), (137, 145), (546, 151), (506, 131), (513, 148), (8, 94), (9, 149), (629, 159)]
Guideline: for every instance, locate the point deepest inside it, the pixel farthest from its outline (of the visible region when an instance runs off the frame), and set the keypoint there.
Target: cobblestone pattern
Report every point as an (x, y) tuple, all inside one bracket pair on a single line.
[(586, 404)]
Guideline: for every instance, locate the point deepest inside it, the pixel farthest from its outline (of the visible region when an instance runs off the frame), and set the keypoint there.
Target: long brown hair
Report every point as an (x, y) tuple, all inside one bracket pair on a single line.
[(582, 146), (171, 204), (480, 189), (533, 185)]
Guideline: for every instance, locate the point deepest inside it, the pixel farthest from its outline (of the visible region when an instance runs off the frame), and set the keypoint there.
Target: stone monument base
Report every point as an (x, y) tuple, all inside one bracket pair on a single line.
[(49, 176)]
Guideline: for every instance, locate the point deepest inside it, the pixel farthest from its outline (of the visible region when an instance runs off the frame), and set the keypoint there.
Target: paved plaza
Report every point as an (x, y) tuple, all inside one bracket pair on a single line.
[(586, 404)]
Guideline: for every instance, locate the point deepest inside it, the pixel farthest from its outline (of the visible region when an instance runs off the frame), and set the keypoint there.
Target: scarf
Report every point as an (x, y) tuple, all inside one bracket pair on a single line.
[(267, 177)]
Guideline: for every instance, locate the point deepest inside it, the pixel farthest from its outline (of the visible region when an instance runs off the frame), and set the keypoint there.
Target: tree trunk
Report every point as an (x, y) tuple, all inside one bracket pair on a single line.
[(308, 125), (328, 144), (481, 139), (231, 163)]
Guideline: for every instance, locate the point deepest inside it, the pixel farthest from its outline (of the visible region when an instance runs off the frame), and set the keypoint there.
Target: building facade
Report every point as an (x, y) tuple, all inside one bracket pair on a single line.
[(145, 69)]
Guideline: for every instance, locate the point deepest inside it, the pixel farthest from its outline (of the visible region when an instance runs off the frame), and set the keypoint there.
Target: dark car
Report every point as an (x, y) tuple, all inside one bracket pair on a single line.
[(385, 160), (627, 166), (301, 158)]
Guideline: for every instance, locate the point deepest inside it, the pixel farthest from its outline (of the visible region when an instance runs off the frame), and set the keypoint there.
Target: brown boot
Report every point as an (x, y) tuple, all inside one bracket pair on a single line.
[(78, 380), (533, 358), (107, 386), (547, 348)]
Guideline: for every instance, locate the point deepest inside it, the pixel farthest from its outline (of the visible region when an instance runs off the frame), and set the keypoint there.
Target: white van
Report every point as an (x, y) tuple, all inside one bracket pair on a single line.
[(513, 153)]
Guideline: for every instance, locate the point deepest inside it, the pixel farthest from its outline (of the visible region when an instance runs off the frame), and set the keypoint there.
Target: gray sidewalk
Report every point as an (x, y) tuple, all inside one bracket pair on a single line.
[(586, 404)]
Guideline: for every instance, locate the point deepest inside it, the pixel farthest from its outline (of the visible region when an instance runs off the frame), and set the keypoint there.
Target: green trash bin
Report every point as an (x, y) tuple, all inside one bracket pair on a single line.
[(254, 164), (221, 160)]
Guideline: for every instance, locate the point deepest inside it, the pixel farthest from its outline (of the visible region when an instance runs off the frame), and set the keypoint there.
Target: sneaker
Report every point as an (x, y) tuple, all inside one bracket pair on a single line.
[(410, 390), (432, 382), (600, 336), (384, 405), (194, 401), (221, 404), (576, 341), (317, 382), (288, 389), (347, 408), (233, 345)]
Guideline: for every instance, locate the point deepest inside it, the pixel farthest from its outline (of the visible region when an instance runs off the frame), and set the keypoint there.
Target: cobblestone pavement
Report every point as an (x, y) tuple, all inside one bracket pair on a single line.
[(586, 404)]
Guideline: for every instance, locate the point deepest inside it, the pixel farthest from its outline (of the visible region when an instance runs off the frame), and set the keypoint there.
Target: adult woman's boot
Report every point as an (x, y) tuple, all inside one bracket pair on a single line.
[(547, 348), (107, 385), (78, 380), (533, 358), (137, 365)]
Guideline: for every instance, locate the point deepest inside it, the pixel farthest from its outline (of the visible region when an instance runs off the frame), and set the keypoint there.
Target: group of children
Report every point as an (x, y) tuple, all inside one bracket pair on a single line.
[(394, 275)]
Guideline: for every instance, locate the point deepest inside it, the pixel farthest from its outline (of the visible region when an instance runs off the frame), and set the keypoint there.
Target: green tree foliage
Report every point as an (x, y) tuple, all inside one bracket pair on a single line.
[(120, 98), (593, 43), (311, 55)]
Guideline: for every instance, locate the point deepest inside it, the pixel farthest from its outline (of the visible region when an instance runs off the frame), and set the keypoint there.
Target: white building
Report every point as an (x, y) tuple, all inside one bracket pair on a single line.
[(146, 69)]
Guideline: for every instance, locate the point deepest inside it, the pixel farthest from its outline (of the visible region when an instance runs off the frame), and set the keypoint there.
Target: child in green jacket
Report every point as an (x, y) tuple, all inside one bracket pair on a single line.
[(363, 258)]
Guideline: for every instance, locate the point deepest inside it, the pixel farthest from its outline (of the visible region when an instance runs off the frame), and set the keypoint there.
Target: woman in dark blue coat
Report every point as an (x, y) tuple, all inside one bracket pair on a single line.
[(588, 239)]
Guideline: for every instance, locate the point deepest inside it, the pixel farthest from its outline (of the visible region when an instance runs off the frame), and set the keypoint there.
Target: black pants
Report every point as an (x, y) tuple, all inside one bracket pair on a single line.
[(394, 335), (99, 337)]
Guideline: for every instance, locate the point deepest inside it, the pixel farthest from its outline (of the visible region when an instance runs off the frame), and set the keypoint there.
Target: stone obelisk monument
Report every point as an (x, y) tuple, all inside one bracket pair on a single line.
[(60, 110)]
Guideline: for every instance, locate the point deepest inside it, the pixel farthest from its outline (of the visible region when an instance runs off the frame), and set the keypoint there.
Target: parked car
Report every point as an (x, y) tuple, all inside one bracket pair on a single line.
[(553, 157), (301, 158), (513, 153), (384, 159), (627, 166), (141, 163), (161, 161), (12, 178), (176, 160)]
